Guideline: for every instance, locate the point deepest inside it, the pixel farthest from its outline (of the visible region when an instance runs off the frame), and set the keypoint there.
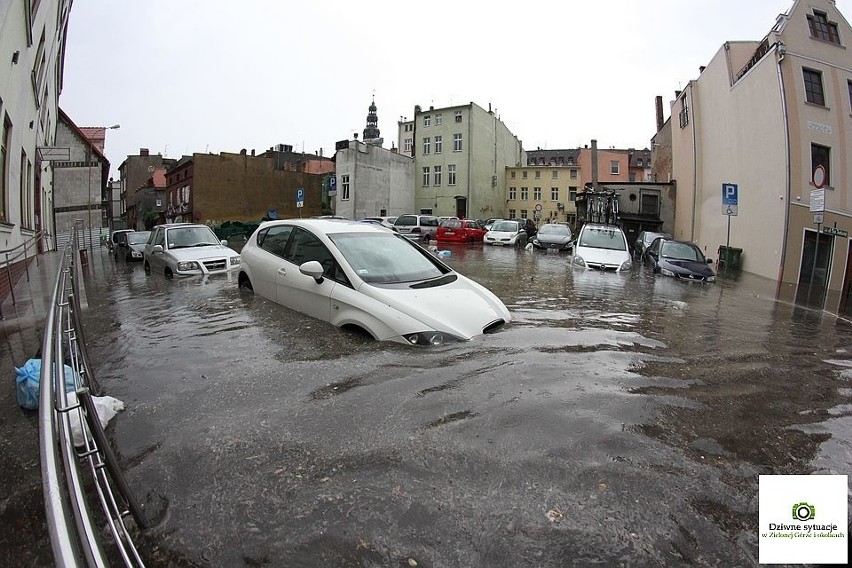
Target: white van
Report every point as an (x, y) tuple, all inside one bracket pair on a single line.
[(602, 247)]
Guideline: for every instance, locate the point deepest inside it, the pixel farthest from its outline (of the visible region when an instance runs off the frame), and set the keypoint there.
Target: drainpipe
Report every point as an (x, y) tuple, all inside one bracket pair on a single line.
[(688, 94), (781, 50)]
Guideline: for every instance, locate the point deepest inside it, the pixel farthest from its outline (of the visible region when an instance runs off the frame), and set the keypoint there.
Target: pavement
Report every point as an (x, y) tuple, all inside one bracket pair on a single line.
[(24, 540)]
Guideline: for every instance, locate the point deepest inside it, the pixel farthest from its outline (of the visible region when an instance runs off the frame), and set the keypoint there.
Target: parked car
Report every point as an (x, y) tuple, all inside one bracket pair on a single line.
[(506, 232), (417, 227), (681, 259), (132, 246), (115, 237), (384, 220), (489, 223), (357, 275), (187, 249), (602, 247), (644, 239), (554, 236), (460, 231)]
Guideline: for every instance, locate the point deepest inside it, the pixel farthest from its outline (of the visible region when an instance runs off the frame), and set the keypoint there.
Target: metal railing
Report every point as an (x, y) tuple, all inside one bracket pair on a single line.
[(11, 256), (67, 468)]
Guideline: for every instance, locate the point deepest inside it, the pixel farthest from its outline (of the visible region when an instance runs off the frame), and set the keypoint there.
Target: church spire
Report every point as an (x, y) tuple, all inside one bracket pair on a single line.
[(371, 133)]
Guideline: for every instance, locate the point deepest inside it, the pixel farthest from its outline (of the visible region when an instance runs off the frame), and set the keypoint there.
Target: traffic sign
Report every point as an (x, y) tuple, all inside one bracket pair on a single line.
[(300, 197), (538, 206), (332, 186), (730, 210), (818, 218), (730, 194), (817, 200), (818, 177), (834, 231)]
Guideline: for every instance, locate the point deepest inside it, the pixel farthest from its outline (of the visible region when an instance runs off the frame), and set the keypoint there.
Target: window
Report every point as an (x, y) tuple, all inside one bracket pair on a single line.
[(304, 247), (538, 174), (427, 142), (26, 191), (344, 187), (158, 202), (523, 213), (613, 167), (554, 194), (457, 116), (408, 145), (451, 174), (684, 112), (639, 162), (274, 239), (537, 194), (457, 142), (525, 193), (439, 142), (813, 86), (821, 156), (572, 193), (650, 204), (427, 121), (849, 86), (554, 174), (524, 174), (573, 174), (5, 137), (513, 193), (512, 214), (512, 174), (439, 119), (426, 176), (437, 170), (822, 29), (570, 161)]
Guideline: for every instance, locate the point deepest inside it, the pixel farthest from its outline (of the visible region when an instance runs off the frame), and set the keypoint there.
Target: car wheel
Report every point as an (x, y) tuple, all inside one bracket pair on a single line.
[(147, 267), (168, 272), (244, 283)]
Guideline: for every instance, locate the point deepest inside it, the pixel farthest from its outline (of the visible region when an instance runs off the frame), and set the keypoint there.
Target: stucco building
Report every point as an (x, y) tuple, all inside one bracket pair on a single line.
[(773, 117), (134, 173), (460, 155), (372, 181)]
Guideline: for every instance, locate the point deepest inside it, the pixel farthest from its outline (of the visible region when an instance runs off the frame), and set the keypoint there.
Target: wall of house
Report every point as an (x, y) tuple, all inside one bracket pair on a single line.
[(77, 183), (378, 180)]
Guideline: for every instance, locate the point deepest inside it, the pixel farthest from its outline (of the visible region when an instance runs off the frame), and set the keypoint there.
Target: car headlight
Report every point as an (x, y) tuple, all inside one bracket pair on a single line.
[(626, 265), (578, 261), (136, 254), (711, 279), (429, 338), (535, 242), (187, 265), (666, 272), (235, 261)]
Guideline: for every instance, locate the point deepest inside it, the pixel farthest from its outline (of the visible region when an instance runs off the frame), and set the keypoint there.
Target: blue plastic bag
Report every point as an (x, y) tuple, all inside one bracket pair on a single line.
[(28, 383)]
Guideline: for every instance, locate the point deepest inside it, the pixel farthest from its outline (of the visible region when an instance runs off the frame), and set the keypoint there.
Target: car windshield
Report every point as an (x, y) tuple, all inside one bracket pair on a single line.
[(552, 229), (505, 227), (602, 238), (385, 258), (138, 238), (453, 224), (681, 251), (183, 237)]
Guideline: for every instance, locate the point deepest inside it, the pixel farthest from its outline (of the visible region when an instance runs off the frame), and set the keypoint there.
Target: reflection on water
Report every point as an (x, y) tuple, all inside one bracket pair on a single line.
[(274, 436)]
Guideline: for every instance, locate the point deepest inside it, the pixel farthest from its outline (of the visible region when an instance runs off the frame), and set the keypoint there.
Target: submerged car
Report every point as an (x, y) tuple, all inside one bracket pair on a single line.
[(417, 227), (359, 276), (506, 232), (116, 237), (460, 231), (602, 247), (681, 259), (132, 247), (554, 236), (187, 249), (644, 239)]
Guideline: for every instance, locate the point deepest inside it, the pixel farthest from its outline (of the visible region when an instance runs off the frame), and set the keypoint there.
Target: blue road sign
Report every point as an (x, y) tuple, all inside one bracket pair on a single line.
[(730, 194), (332, 182), (300, 194)]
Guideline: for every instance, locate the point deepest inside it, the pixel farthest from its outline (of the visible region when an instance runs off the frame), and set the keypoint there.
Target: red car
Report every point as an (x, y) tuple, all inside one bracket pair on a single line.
[(460, 231)]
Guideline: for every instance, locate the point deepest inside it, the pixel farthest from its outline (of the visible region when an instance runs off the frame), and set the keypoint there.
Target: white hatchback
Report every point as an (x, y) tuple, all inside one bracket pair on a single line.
[(362, 276), (602, 247)]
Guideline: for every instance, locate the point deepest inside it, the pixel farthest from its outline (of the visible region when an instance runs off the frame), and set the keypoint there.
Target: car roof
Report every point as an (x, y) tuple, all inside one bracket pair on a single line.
[(330, 225), (602, 226)]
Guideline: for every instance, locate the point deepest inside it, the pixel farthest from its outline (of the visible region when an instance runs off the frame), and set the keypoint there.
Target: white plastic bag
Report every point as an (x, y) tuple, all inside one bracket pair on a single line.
[(106, 406)]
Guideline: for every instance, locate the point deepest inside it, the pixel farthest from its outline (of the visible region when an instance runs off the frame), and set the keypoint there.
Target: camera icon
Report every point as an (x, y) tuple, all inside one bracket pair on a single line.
[(803, 511)]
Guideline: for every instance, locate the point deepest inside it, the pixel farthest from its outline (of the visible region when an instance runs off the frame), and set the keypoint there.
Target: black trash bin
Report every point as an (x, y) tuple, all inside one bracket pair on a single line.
[(730, 260)]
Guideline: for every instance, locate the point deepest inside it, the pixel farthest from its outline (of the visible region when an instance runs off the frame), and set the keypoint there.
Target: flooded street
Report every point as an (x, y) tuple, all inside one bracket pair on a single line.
[(620, 420)]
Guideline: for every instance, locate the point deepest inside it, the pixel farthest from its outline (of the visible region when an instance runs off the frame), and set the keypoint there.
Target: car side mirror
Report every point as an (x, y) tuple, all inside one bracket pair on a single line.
[(313, 269), (157, 249), (224, 242)]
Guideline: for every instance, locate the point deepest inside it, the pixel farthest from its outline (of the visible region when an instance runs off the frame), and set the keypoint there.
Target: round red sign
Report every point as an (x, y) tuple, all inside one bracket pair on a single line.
[(818, 178)]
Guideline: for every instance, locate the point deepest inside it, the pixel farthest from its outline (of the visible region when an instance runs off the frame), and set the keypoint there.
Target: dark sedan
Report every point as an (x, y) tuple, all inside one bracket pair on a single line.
[(554, 236), (644, 239), (682, 260)]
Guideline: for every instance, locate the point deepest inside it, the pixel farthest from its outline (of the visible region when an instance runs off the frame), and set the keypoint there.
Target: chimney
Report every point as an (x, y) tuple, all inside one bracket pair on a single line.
[(143, 151), (595, 164), (252, 151), (659, 105)]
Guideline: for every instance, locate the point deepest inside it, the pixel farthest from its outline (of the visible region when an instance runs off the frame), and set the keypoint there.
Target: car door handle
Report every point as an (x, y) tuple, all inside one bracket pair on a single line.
[(282, 271)]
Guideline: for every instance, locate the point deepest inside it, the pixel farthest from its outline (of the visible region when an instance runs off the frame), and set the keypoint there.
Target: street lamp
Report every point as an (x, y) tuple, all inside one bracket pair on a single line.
[(89, 169)]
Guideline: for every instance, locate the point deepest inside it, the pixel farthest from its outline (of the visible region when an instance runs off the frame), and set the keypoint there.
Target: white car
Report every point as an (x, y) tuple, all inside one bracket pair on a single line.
[(358, 275), (602, 247), (187, 249), (506, 232)]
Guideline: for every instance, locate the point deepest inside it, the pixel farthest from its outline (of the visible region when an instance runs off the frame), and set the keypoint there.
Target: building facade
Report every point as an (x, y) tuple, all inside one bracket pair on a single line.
[(134, 173), (772, 121), (32, 41), (372, 181), (460, 155)]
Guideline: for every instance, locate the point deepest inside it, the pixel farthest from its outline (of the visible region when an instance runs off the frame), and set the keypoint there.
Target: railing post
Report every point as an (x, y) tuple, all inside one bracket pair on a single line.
[(26, 263)]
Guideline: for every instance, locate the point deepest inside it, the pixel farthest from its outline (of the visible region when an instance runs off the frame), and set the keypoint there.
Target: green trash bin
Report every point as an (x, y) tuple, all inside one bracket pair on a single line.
[(730, 260)]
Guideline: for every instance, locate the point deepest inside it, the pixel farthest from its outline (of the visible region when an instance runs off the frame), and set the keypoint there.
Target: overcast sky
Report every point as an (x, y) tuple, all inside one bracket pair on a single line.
[(191, 76)]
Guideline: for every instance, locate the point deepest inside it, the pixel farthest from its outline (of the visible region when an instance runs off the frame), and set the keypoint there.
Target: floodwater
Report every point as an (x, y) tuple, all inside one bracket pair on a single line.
[(619, 420)]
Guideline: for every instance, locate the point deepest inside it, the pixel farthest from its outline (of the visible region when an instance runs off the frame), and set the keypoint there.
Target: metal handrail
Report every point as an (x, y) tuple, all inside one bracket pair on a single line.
[(71, 525)]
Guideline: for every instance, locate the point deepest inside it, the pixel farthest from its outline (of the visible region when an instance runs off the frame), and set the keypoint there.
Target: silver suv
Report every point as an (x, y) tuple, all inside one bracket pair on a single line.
[(417, 227), (187, 249)]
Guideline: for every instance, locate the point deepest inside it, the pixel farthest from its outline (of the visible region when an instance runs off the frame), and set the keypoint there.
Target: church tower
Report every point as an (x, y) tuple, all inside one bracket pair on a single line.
[(371, 133)]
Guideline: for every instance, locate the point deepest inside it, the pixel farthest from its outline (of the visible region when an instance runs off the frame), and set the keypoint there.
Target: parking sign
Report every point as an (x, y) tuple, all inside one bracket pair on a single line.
[(730, 199), (300, 197)]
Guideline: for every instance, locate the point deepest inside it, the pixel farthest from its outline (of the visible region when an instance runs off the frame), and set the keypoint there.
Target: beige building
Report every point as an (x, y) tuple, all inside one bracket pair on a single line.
[(460, 155), (542, 193), (773, 118)]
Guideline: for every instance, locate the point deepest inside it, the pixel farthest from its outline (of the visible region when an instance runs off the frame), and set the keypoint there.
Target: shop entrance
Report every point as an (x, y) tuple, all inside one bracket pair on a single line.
[(814, 269)]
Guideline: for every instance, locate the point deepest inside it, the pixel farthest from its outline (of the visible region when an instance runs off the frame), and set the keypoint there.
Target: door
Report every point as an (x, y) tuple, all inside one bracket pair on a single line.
[(299, 291), (461, 207), (814, 269), (846, 290)]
